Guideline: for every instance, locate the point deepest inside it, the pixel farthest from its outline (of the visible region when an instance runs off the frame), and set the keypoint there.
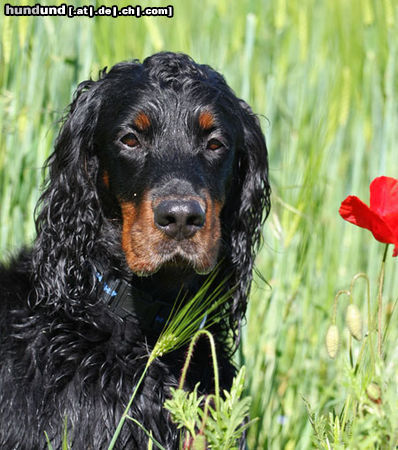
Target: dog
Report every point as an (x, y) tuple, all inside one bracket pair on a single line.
[(159, 177)]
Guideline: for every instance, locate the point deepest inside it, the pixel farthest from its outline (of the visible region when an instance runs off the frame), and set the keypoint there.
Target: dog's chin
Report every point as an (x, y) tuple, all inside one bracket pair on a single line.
[(177, 263)]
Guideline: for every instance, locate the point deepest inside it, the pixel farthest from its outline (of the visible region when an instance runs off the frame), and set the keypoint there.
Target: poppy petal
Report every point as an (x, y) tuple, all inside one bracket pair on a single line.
[(392, 221), (384, 196), (355, 211)]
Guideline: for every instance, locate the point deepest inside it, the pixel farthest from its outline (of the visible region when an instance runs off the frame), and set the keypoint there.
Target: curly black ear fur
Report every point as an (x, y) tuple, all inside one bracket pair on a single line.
[(70, 219), (248, 205)]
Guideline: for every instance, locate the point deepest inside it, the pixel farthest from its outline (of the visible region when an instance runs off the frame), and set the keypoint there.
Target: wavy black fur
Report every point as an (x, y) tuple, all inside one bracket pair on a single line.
[(63, 353)]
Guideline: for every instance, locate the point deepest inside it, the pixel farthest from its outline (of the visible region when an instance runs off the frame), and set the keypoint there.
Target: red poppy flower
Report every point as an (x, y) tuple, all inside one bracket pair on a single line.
[(381, 218)]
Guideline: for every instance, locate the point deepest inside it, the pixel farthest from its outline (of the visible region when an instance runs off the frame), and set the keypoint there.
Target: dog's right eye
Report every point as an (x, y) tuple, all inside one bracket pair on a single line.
[(130, 140), (214, 144)]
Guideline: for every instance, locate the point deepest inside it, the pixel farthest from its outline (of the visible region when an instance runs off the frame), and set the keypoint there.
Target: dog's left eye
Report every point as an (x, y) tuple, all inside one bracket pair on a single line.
[(131, 140), (214, 144)]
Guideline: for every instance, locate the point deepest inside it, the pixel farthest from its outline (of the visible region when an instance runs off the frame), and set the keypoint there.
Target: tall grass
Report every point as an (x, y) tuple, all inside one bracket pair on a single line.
[(323, 77)]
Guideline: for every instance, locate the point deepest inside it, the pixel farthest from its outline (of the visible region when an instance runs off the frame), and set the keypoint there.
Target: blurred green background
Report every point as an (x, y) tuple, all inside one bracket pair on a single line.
[(323, 77)]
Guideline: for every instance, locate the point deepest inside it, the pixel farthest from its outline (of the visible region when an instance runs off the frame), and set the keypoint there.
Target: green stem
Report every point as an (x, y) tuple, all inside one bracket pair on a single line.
[(126, 411), (370, 320), (361, 353), (346, 406), (146, 432), (388, 319), (350, 351), (205, 413), (49, 446), (336, 298), (380, 302), (214, 358)]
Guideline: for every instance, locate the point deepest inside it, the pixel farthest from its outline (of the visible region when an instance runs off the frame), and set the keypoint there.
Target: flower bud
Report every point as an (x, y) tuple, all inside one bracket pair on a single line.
[(199, 443), (332, 341), (354, 321), (373, 392)]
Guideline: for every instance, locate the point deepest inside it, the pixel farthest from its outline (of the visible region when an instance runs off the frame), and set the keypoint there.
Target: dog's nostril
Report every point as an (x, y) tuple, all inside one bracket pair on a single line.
[(196, 220), (179, 219), (171, 219), (163, 219)]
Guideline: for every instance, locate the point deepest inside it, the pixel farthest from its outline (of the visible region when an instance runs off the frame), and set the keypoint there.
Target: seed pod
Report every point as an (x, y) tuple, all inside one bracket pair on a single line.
[(354, 321), (373, 392), (332, 341)]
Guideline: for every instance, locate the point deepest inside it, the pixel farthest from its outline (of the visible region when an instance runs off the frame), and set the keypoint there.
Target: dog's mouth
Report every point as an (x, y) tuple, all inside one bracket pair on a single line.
[(152, 239), (183, 260), (179, 260)]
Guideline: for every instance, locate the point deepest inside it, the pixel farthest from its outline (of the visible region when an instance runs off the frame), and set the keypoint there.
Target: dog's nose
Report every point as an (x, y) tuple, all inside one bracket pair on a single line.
[(179, 219)]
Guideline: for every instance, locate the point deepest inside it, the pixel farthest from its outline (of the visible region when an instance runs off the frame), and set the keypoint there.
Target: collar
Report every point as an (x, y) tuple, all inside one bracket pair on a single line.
[(125, 300)]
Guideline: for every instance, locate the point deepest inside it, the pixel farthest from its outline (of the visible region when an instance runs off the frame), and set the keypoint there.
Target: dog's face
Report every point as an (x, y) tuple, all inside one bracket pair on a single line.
[(167, 153), (162, 160)]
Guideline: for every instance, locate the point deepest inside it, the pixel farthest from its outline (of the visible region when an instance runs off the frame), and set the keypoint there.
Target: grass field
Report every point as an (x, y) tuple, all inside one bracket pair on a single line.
[(323, 75)]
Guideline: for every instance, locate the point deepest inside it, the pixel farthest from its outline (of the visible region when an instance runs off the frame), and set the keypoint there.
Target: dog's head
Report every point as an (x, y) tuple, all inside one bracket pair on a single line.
[(167, 155)]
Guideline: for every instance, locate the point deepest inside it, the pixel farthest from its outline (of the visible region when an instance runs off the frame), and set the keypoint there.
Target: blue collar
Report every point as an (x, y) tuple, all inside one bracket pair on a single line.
[(125, 300)]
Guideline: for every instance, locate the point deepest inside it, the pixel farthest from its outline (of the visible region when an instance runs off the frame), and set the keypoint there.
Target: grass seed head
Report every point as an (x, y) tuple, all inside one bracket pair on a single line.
[(354, 321), (165, 344), (332, 341)]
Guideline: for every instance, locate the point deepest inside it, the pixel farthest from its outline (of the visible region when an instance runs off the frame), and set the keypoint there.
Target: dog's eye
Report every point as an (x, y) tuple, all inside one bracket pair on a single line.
[(130, 140), (214, 144)]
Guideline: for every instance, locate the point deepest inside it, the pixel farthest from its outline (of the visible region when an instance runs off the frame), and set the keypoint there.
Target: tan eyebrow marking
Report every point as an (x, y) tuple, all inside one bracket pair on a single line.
[(105, 178), (206, 120), (142, 122)]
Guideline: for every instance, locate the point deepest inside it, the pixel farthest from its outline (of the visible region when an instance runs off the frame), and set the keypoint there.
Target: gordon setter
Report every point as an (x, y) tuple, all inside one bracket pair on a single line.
[(159, 175)]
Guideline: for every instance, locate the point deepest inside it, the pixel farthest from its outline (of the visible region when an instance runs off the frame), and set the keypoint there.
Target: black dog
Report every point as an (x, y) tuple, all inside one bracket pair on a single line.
[(159, 174)]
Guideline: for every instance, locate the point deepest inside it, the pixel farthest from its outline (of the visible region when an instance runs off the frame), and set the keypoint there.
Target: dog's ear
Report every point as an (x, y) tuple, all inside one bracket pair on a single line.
[(247, 207), (70, 214)]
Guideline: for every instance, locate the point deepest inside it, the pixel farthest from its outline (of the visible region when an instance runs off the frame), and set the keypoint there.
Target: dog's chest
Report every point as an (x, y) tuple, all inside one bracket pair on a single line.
[(79, 388)]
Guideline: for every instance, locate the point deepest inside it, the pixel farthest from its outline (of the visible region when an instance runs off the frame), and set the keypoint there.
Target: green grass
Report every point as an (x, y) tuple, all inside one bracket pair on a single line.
[(323, 75)]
